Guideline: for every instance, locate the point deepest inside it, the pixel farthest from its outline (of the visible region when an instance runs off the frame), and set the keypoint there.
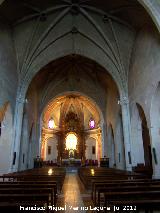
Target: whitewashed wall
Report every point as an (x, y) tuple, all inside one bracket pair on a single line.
[(54, 153), (90, 142)]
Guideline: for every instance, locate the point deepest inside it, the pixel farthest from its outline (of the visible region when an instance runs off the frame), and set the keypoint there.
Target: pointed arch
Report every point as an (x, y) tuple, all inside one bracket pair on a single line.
[(111, 146)]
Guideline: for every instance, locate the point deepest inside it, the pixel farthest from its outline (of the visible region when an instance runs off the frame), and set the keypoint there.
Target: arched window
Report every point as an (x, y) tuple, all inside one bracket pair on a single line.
[(51, 123), (91, 123)]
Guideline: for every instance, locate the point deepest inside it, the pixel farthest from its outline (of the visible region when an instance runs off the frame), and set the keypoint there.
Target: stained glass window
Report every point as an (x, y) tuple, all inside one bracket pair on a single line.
[(92, 123)]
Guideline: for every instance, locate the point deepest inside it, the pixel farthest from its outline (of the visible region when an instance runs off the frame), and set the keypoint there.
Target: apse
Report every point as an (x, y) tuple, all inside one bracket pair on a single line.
[(76, 118)]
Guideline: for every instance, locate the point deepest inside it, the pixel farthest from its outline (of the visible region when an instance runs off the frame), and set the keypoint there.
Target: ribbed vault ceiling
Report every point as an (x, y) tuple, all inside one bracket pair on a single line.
[(74, 66), (20, 10)]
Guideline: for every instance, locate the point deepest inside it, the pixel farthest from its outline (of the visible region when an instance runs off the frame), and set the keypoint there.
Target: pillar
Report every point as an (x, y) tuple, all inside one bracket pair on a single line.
[(104, 140), (42, 151), (155, 144), (126, 131), (99, 154), (15, 152)]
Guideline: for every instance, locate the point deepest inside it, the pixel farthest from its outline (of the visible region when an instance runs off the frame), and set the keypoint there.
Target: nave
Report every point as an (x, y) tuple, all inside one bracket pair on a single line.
[(80, 86)]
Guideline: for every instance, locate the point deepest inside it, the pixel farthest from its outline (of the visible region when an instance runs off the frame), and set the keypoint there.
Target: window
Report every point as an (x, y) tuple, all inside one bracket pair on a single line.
[(92, 123), (51, 123), (93, 150), (49, 150)]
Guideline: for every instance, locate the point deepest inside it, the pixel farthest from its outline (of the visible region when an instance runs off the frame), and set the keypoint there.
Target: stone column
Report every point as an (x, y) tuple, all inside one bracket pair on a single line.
[(104, 140), (155, 144), (126, 131), (43, 146), (17, 134), (99, 148)]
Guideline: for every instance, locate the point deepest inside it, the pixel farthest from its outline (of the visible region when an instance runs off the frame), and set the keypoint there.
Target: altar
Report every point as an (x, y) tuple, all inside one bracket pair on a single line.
[(71, 162)]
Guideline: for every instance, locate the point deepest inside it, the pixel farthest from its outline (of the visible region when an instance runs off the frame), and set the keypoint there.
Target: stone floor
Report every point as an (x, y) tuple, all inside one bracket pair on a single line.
[(74, 197)]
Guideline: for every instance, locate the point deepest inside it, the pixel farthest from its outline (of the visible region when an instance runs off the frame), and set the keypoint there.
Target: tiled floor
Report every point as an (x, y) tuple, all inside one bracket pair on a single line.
[(74, 197)]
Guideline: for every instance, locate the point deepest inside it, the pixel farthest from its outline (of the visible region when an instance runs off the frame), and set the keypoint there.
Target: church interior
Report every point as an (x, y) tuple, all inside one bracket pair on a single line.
[(80, 105)]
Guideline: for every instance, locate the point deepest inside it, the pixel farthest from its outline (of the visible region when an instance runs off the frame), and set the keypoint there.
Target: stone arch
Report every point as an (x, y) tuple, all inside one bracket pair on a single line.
[(97, 112), (136, 135), (153, 10), (145, 137), (48, 57), (77, 93), (45, 55), (155, 130), (111, 146)]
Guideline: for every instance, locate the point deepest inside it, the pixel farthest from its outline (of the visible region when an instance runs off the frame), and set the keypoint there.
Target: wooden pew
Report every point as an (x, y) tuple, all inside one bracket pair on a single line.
[(34, 178), (121, 187), (29, 190), (143, 200), (88, 175), (102, 186), (14, 201), (125, 189), (31, 186)]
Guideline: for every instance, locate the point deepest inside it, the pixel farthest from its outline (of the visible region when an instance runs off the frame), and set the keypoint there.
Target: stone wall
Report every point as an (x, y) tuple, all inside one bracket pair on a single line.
[(8, 91), (144, 77), (8, 68)]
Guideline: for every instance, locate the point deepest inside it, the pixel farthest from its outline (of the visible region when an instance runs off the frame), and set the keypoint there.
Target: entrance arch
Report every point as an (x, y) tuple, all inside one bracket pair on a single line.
[(123, 101), (145, 137), (111, 149)]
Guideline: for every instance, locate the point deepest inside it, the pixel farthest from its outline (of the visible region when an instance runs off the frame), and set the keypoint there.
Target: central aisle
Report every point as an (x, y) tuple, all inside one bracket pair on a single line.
[(74, 194)]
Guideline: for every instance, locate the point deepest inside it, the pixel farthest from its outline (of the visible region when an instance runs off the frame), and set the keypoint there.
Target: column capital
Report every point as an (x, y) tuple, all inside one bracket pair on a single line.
[(124, 101), (20, 100)]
